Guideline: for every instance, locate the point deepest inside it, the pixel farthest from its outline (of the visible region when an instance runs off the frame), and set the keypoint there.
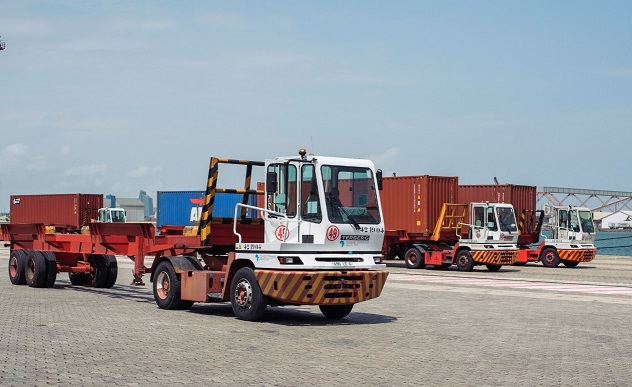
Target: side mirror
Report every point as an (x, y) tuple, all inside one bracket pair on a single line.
[(271, 182), (378, 175)]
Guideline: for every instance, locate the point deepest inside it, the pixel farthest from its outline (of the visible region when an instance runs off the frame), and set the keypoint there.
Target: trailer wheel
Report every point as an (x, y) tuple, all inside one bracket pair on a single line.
[(111, 270), (35, 269), (570, 263), (335, 311), (99, 272), (246, 298), (549, 257), (414, 258), (167, 287), (78, 278), (464, 261), (51, 269), (17, 260), (493, 267)]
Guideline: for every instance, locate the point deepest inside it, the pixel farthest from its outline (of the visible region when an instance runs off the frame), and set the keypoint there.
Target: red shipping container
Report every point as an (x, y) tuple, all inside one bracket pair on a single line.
[(67, 211), (413, 203), (522, 197)]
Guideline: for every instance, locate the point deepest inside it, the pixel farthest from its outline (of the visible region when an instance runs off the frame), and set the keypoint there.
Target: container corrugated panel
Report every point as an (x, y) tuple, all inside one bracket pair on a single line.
[(413, 203), (62, 210), (184, 208), (522, 197)]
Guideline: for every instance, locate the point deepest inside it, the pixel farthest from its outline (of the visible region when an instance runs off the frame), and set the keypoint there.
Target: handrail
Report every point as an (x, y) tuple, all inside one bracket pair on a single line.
[(287, 220)]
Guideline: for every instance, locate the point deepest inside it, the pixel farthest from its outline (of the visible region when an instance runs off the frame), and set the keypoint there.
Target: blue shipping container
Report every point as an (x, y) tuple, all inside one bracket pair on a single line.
[(184, 208)]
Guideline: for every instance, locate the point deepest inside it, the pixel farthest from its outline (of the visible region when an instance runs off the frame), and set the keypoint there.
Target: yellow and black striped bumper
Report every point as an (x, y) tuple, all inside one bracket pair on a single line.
[(495, 257), (321, 287), (583, 255)]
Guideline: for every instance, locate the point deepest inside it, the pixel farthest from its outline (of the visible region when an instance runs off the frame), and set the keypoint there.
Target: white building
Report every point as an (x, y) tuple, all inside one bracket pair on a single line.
[(616, 220)]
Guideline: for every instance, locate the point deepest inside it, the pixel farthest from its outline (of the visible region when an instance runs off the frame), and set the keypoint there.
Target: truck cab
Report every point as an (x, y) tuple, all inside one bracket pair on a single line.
[(570, 223), (492, 222), (325, 208), (111, 215)]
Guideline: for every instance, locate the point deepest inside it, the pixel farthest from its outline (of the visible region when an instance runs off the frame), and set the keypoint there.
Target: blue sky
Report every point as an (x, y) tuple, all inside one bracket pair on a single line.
[(117, 96)]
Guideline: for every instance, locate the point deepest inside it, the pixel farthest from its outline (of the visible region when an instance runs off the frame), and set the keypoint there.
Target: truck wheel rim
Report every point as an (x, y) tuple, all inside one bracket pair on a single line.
[(412, 258), (13, 267), (243, 294), (29, 270), (162, 285), (548, 257), (463, 261)]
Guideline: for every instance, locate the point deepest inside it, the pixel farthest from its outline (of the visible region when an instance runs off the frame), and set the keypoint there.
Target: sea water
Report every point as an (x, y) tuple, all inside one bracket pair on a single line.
[(614, 243)]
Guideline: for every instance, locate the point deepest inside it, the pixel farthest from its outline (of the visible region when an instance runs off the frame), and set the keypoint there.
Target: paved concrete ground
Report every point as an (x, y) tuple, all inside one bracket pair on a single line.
[(416, 333)]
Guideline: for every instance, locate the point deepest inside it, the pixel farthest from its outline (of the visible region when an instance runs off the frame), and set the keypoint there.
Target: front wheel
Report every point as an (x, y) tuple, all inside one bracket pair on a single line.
[(246, 298), (570, 263), (335, 311), (549, 257), (464, 261), (493, 267), (414, 258), (167, 287)]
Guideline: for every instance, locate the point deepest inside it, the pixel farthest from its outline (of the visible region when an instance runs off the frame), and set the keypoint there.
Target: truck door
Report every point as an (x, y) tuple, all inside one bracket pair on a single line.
[(479, 222), (281, 198), (310, 207)]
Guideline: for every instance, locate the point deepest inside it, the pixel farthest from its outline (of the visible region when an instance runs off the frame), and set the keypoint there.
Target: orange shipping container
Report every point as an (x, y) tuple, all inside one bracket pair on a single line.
[(412, 204), (66, 211)]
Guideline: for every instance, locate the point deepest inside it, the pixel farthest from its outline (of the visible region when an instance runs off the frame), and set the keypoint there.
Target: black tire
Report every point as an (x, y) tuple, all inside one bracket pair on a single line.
[(17, 261), (336, 311), (246, 298), (493, 267), (549, 257), (464, 261), (51, 269), (414, 258), (570, 263), (80, 279), (35, 269), (112, 271), (99, 273), (167, 287)]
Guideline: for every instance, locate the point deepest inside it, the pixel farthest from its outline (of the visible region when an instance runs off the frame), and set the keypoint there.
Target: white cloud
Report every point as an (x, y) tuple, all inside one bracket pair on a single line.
[(86, 170), (65, 150), (14, 150), (143, 171)]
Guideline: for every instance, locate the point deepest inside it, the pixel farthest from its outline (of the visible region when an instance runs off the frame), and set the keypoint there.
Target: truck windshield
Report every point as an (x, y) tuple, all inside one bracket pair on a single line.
[(585, 218), (350, 195), (507, 219)]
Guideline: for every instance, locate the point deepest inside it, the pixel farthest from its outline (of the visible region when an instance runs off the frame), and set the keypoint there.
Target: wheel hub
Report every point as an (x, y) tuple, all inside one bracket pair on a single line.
[(243, 294), (162, 285)]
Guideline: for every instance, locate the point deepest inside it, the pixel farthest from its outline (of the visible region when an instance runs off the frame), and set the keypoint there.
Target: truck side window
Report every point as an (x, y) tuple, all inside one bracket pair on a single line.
[(310, 201), (283, 200)]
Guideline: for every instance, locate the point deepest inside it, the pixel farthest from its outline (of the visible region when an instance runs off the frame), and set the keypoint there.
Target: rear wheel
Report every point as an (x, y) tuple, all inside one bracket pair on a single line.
[(167, 287), (17, 260), (99, 272), (570, 263), (336, 311), (414, 258), (112, 271), (246, 298), (51, 269), (464, 261), (35, 269), (493, 267), (549, 257)]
